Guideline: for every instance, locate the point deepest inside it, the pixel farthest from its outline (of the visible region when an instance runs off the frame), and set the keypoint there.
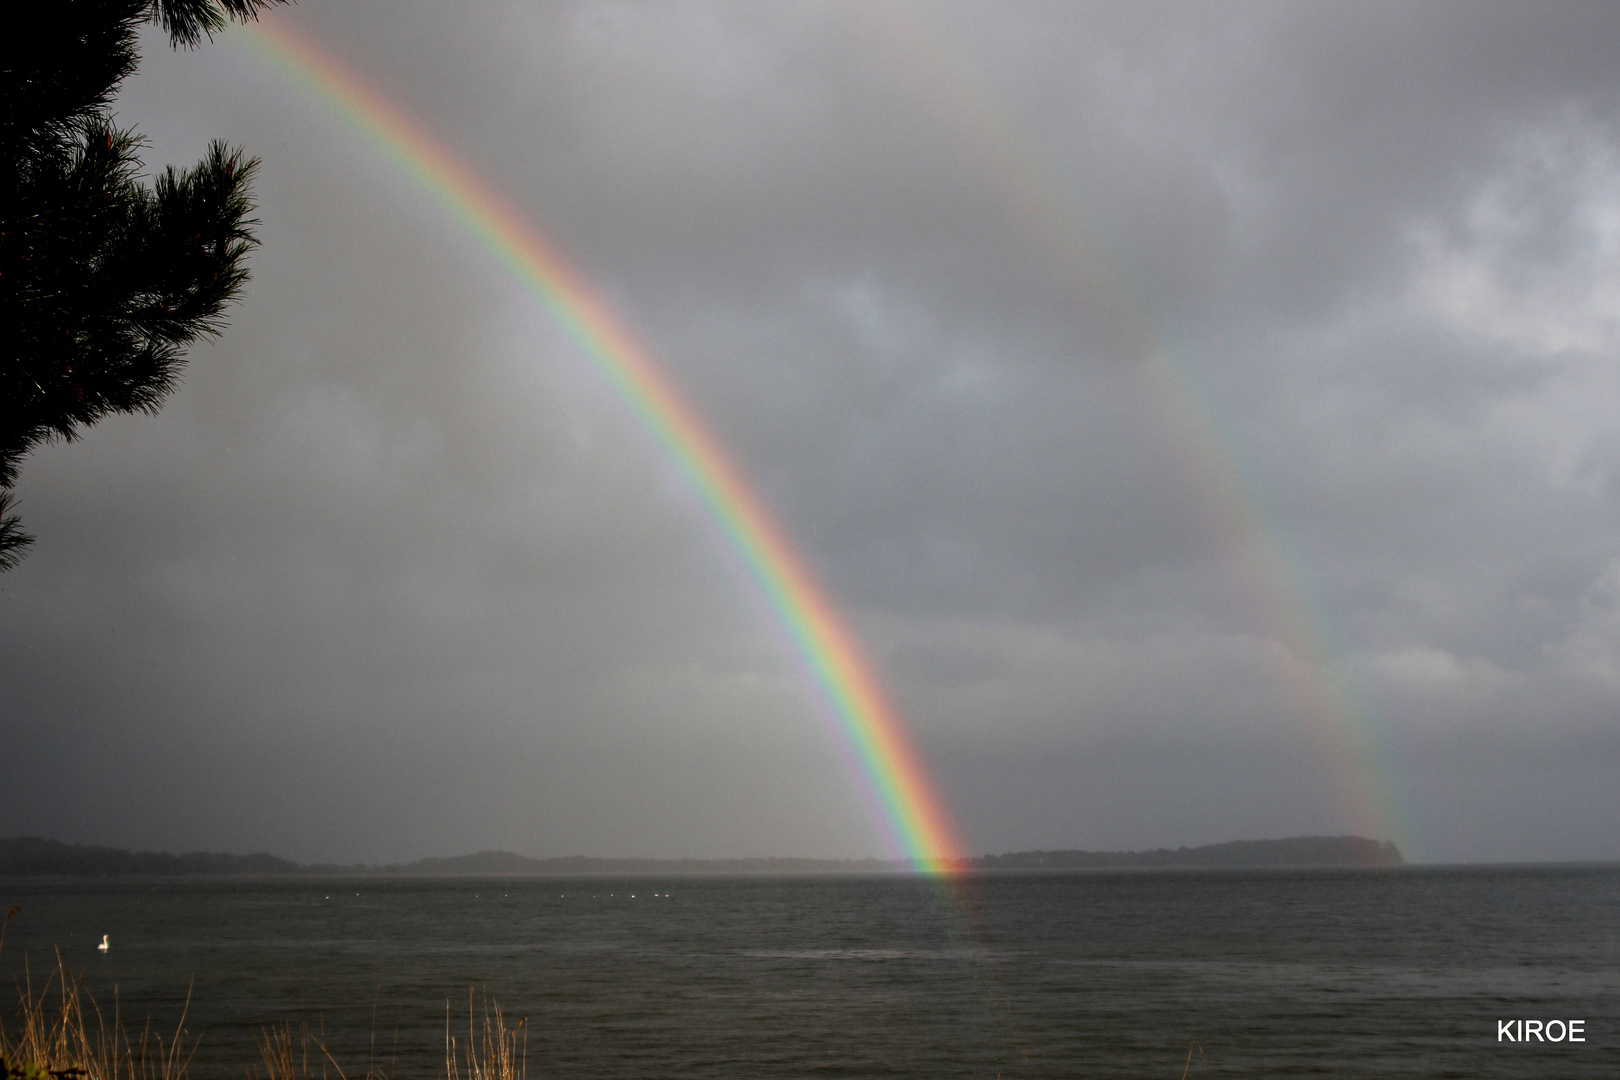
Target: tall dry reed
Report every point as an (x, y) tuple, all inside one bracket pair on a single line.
[(491, 1051)]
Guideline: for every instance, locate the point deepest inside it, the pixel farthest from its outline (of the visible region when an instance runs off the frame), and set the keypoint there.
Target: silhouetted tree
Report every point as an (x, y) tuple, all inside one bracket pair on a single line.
[(103, 280)]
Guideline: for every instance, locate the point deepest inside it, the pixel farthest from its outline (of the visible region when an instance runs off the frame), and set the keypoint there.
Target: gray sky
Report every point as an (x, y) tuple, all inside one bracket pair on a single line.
[(396, 573)]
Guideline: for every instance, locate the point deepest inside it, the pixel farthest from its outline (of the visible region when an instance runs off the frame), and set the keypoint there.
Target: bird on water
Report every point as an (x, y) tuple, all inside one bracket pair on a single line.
[(103, 946)]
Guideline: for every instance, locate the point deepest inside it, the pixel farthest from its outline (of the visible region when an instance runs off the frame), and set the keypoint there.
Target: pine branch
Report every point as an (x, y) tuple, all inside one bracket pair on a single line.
[(187, 22), (12, 538)]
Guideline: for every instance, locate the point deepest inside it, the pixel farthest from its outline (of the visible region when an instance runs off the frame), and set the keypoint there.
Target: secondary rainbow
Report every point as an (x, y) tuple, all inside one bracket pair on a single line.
[(1310, 671), (874, 730)]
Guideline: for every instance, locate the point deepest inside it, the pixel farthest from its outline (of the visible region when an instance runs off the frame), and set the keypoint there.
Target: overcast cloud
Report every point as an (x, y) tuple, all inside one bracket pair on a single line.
[(396, 574)]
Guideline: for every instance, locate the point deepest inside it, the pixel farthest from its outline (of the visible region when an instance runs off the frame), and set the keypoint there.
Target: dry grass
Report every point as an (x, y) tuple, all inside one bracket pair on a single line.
[(288, 1058), (1194, 1045), (491, 1051), (282, 1060), (62, 1029)]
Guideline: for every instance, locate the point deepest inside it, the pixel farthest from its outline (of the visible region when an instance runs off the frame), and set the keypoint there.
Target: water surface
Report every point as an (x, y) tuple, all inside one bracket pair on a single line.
[(1389, 972)]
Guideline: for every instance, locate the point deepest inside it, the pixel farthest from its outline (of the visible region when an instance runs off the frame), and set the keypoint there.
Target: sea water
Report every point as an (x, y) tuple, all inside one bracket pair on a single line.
[(1400, 972)]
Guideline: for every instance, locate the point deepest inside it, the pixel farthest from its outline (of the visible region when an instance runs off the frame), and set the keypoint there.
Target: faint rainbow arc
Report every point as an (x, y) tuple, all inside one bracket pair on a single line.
[(869, 722), (1210, 459)]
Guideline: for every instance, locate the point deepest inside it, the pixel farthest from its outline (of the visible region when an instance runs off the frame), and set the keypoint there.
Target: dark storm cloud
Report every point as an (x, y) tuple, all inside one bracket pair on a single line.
[(395, 574)]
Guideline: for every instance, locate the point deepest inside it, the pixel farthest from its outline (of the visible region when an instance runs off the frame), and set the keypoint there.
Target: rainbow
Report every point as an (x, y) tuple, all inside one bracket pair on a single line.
[(1312, 679), (869, 722)]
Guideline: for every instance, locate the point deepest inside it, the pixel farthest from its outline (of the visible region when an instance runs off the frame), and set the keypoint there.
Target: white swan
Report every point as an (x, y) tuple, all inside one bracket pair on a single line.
[(103, 946)]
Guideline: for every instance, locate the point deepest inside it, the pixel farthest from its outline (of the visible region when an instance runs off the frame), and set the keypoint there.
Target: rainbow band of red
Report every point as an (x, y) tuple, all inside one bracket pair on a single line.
[(868, 720)]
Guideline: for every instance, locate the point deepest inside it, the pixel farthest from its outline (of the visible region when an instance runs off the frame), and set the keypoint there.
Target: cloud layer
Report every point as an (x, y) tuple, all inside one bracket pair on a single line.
[(394, 574)]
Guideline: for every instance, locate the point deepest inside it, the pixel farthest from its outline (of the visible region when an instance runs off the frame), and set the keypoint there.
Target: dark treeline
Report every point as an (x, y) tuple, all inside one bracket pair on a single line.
[(1294, 851), (30, 855), (35, 857), (504, 862)]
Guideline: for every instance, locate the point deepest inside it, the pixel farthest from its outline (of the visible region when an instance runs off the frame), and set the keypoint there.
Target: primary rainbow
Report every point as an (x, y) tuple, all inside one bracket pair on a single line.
[(868, 720)]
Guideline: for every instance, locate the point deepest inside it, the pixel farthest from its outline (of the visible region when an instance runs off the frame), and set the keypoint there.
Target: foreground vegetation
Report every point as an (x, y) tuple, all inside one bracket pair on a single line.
[(61, 1033)]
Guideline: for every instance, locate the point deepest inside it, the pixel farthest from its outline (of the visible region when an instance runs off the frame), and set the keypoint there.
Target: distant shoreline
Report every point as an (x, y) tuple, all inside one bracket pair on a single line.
[(32, 856)]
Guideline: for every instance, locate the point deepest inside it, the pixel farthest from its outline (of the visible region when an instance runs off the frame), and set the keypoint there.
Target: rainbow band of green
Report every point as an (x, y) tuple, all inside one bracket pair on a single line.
[(869, 722)]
